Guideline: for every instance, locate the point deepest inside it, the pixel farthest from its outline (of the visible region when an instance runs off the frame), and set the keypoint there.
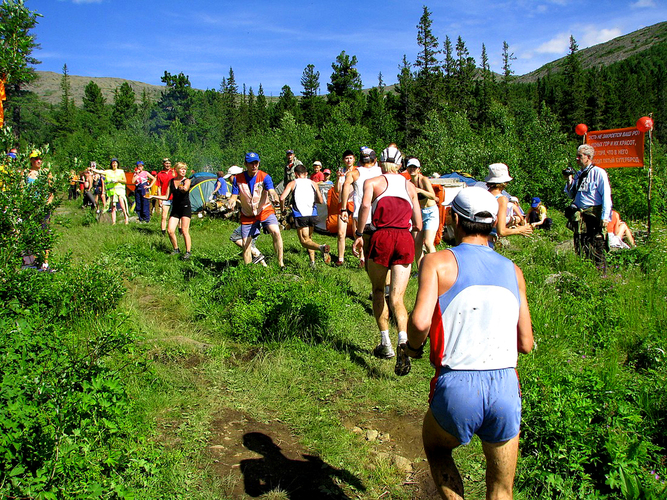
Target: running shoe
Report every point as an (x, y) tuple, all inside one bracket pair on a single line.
[(339, 263), (325, 249), (402, 362), (258, 259), (186, 255), (312, 264), (383, 351), (176, 252)]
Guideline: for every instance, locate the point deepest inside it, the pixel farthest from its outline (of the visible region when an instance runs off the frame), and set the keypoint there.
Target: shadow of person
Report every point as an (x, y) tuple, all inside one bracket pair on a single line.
[(298, 479)]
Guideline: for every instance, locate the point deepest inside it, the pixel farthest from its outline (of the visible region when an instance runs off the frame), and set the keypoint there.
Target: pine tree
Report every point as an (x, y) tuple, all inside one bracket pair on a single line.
[(124, 106), (485, 89), (406, 92), (427, 58), (261, 111), (573, 101), (313, 106), (507, 58), (95, 115), (345, 80), (65, 117), (287, 103), (464, 76), (230, 117), (16, 46)]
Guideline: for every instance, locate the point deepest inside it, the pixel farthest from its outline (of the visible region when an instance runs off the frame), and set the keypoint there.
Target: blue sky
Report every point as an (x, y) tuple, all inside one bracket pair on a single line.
[(271, 42)]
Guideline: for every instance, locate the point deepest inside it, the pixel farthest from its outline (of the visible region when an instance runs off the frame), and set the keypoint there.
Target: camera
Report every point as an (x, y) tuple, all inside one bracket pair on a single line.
[(568, 171)]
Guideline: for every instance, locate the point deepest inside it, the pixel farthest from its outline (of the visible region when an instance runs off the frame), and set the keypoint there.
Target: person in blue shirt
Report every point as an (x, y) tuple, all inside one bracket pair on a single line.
[(591, 194)]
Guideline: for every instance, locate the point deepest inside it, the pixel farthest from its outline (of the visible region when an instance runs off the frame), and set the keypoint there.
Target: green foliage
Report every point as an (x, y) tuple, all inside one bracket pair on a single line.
[(17, 44), (265, 305)]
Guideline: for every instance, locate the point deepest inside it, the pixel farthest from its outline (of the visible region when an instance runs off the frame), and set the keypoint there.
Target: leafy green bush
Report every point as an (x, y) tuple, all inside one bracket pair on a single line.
[(264, 305)]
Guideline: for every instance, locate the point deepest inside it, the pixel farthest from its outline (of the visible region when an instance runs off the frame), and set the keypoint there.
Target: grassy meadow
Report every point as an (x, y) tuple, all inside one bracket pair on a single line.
[(210, 379)]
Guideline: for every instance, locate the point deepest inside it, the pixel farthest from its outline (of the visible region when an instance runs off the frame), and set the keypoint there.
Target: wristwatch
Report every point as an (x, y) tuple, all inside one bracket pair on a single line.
[(358, 234)]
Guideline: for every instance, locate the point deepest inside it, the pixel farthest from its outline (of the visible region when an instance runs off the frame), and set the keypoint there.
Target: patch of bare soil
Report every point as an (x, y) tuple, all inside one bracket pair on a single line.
[(398, 440), (253, 458)]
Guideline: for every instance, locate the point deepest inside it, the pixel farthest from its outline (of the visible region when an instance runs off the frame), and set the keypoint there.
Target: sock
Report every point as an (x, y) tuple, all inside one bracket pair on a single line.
[(385, 337), (402, 337)]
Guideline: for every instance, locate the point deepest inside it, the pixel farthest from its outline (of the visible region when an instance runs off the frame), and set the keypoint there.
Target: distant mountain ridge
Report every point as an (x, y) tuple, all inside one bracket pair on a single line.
[(47, 85), (607, 53)]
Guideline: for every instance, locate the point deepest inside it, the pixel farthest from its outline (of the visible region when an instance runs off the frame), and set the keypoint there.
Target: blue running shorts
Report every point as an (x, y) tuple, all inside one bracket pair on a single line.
[(486, 403)]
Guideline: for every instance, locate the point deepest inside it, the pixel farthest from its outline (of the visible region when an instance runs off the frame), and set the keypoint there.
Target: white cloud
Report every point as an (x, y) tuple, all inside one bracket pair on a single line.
[(594, 35), (641, 4), (557, 45)]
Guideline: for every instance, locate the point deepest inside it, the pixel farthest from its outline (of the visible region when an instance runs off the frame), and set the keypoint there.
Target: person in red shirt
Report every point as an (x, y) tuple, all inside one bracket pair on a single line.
[(163, 178), (318, 176)]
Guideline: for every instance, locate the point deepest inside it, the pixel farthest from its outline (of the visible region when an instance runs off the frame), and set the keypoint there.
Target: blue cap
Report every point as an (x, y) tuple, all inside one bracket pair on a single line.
[(140, 163), (114, 160), (250, 157), (534, 202), (12, 155)]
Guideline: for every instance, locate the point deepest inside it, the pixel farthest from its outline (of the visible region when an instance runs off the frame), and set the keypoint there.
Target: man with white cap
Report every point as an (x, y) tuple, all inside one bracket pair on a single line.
[(390, 203), (472, 304), (354, 184)]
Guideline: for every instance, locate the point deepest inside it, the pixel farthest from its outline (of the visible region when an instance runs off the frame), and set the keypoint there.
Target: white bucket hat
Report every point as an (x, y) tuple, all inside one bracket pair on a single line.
[(498, 174)]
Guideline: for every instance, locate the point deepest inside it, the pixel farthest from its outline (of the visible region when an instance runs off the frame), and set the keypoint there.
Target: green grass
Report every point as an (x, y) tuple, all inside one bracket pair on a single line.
[(309, 374)]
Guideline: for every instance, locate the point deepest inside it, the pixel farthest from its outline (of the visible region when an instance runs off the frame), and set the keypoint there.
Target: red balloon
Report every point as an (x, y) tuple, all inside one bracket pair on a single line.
[(644, 124), (581, 129)]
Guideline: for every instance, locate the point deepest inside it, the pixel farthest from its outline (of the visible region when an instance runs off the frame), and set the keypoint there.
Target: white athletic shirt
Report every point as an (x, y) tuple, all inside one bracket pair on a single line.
[(475, 322), (303, 204), (365, 173)]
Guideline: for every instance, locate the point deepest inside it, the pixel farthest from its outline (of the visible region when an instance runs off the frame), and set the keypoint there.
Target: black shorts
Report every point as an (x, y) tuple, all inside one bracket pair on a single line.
[(307, 221), (182, 211)]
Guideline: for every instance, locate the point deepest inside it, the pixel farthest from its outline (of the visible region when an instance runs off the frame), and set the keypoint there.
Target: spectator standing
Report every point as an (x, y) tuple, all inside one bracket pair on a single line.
[(428, 203), (142, 183), (115, 189), (163, 178), (181, 210), (591, 207), (497, 181)]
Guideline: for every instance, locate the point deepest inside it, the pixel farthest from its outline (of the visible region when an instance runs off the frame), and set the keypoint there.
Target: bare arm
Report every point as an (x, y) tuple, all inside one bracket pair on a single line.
[(501, 224), (419, 322), (318, 193), (286, 192), (184, 184), (164, 196), (364, 212), (350, 177), (416, 210), (427, 189), (524, 330)]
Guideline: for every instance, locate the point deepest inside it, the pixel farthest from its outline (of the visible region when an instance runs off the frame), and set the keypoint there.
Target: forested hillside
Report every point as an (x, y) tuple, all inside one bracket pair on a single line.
[(447, 108)]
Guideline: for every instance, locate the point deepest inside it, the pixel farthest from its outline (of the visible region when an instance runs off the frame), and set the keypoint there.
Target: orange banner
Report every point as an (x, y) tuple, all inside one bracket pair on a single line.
[(621, 147)]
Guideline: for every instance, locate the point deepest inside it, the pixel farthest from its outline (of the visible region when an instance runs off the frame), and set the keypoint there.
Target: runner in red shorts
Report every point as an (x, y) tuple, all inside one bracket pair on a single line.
[(391, 201)]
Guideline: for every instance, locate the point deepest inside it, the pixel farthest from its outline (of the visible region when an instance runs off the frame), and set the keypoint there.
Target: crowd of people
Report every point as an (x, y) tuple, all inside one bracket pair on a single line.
[(471, 301)]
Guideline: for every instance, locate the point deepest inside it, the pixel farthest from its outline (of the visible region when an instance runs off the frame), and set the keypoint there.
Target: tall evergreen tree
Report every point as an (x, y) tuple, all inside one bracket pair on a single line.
[(572, 97), (65, 116), (287, 103), (16, 46), (313, 106), (427, 58), (345, 80), (95, 116), (464, 76), (261, 111), (230, 124), (507, 58), (124, 106)]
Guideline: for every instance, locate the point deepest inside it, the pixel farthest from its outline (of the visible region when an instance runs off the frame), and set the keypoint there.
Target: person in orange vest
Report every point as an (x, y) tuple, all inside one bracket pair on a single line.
[(255, 190)]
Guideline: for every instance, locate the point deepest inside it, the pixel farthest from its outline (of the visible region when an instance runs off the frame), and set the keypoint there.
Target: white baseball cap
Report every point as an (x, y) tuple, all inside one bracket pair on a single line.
[(475, 200), (233, 170)]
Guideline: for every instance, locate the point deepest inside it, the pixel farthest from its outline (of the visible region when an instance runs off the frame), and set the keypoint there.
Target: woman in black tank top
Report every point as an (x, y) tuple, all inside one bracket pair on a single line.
[(181, 210)]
